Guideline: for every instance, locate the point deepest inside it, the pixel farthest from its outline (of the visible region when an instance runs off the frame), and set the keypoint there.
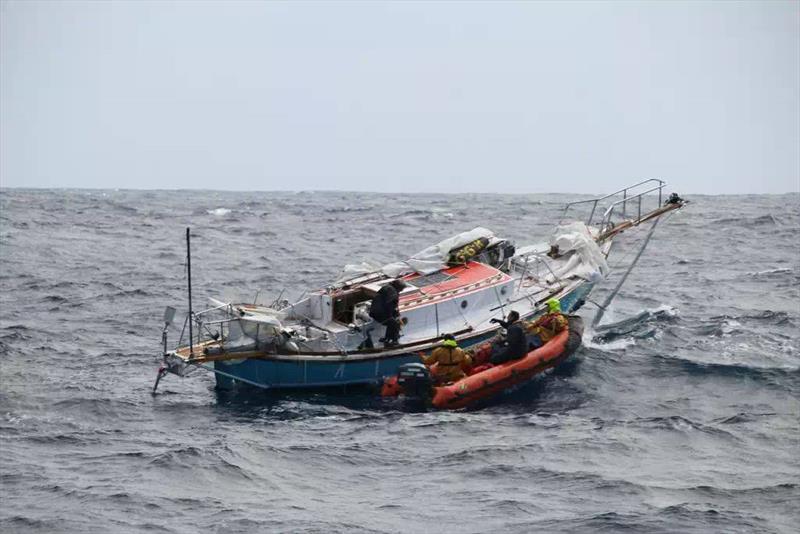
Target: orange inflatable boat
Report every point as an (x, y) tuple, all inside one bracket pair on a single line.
[(414, 379)]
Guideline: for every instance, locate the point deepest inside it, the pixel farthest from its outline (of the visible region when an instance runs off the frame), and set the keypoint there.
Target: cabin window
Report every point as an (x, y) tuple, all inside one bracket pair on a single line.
[(430, 279), (463, 303)]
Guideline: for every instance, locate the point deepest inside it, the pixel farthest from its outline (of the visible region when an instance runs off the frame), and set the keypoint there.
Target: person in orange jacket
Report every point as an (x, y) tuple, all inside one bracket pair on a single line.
[(449, 358), (547, 326)]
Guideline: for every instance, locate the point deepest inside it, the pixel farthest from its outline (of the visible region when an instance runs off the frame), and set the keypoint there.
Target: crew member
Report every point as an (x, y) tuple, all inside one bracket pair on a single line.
[(516, 346), (673, 199), (384, 310), (548, 325), (449, 359)]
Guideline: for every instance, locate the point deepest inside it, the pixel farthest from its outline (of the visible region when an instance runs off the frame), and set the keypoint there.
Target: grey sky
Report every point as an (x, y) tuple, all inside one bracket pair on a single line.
[(401, 96)]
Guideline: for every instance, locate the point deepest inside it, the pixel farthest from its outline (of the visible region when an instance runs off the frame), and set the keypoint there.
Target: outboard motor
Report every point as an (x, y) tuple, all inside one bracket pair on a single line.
[(415, 379)]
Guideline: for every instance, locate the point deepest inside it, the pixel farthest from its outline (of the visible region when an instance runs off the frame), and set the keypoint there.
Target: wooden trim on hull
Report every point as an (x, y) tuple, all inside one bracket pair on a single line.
[(379, 353)]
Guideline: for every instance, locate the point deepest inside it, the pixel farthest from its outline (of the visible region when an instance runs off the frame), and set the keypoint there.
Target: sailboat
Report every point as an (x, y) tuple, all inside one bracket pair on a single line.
[(456, 286)]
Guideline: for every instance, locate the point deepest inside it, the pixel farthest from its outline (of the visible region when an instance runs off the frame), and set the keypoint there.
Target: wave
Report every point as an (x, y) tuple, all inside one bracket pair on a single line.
[(192, 458), (349, 209), (717, 328), (716, 491), (219, 212), (743, 417), (16, 332), (177, 457), (735, 370), (430, 214), (412, 213), (118, 206), (20, 523), (607, 343), (777, 270), (542, 475), (640, 326), (100, 408), (58, 439), (675, 518), (761, 220), (703, 516), (718, 323), (138, 292), (679, 423)]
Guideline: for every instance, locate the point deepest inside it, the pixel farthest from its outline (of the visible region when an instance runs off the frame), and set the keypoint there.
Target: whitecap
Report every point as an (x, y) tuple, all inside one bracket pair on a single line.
[(779, 270), (618, 344), (665, 309), (219, 212)]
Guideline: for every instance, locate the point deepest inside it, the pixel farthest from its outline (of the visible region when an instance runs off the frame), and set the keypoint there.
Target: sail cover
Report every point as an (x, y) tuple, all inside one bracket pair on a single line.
[(430, 260), (588, 260), (434, 258)]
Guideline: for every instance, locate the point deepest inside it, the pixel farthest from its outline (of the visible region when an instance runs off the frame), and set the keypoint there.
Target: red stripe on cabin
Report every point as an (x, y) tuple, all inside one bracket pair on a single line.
[(464, 277)]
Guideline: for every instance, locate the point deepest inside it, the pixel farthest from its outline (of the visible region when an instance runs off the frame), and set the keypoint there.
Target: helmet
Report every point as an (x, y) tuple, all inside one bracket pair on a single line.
[(449, 341), (553, 305)]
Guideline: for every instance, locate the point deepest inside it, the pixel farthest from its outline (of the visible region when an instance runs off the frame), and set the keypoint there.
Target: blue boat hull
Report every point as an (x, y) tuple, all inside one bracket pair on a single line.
[(317, 373)]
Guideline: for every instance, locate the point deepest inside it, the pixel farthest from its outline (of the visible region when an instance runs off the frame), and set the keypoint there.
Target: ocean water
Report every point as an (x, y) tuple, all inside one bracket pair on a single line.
[(682, 416)]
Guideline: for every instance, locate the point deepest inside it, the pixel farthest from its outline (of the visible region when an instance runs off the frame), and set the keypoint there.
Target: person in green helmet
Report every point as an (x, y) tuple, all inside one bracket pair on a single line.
[(547, 326), (450, 360)]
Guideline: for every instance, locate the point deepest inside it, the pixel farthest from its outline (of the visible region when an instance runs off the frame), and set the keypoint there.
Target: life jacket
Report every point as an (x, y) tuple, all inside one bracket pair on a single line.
[(547, 326), (450, 358)]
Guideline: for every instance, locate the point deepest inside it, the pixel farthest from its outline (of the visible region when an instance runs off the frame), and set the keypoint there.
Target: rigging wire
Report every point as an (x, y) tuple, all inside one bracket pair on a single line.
[(598, 317), (634, 247)]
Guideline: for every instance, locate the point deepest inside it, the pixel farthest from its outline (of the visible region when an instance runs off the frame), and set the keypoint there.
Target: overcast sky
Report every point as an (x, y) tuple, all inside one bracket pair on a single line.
[(401, 96)]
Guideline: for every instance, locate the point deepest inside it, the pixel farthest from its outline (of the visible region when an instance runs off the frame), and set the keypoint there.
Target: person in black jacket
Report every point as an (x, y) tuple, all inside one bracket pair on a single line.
[(384, 310), (516, 345)]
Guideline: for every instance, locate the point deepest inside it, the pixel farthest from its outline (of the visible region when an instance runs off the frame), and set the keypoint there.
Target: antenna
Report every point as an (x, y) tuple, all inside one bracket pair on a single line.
[(189, 273)]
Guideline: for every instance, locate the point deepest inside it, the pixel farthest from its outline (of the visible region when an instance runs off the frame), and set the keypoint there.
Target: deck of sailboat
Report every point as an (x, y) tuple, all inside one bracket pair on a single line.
[(450, 283)]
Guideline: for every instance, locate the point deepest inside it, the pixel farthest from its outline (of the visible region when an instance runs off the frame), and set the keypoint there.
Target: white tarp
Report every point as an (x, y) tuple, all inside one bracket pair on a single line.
[(434, 258), (588, 260), (430, 260), (354, 270)]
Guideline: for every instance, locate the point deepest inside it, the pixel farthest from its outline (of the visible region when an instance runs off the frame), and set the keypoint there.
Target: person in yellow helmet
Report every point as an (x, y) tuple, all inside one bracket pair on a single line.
[(449, 358), (547, 326)]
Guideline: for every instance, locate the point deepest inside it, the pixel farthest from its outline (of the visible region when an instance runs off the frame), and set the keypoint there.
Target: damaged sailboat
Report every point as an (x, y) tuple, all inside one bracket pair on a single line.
[(457, 286)]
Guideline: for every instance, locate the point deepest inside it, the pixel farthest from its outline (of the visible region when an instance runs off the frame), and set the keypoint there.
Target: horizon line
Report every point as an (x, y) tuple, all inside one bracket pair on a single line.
[(296, 191)]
